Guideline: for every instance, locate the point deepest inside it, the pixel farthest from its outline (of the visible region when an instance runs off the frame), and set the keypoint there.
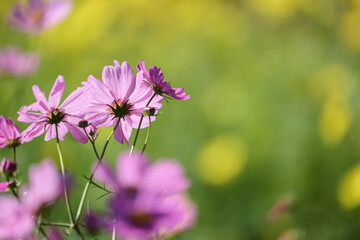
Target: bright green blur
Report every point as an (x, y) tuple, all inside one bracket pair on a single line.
[(274, 108)]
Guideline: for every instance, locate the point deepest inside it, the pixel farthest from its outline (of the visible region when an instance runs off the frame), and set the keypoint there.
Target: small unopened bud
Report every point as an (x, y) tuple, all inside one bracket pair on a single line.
[(12, 184), (8, 167), (149, 111), (83, 124)]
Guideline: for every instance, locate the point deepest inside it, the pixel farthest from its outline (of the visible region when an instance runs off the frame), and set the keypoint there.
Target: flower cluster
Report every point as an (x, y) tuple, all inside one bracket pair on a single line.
[(146, 200), (32, 17), (119, 100)]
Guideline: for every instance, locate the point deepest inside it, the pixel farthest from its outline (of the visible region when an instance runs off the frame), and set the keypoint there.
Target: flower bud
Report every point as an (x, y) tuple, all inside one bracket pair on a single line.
[(83, 124), (12, 184), (149, 111), (8, 167)]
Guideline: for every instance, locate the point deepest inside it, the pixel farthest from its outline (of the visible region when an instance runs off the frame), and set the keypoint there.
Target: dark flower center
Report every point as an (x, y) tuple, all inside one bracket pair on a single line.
[(37, 15), (83, 124), (131, 191), (11, 143), (120, 109), (141, 219), (55, 116)]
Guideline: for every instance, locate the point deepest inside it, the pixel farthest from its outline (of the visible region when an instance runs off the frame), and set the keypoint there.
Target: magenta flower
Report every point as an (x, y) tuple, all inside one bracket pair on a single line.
[(149, 199), (49, 115), (144, 216), (136, 174), (119, 97), (15, 63), (10, 135), (155, 78), (35, 16), (3, 186), (18, 216)]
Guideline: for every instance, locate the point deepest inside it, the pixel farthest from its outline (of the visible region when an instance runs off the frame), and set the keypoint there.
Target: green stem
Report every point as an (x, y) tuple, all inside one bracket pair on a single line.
[(86, 189), (67, 202), (43, 233), (14, 148), (56, 224), (114, 233), (147, 137), (16, 175), (138, 129), (11, 188)]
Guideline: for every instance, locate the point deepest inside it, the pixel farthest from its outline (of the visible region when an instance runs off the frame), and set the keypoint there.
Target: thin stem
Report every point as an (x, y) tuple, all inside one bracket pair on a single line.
[(114, 233), (92, 143), (56, 224), (86, 189), (43, 233), (147, 137), (16, 175), (67, 202), (14, 148), (11, 188), (138, 129)]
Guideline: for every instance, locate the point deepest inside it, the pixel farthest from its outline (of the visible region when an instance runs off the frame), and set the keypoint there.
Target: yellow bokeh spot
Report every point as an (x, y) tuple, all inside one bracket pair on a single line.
[(334, 121), (276, 8), (349, 188), (85, 25), (349, 29), (331, 82), (221, 159)]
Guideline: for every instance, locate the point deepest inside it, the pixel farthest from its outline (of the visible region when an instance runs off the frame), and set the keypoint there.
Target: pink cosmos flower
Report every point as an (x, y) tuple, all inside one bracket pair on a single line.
[(120, 97), (150, 199), (18, 216), (49, 115), (10, 135), (15, 63), (155, 78), (35, 16)]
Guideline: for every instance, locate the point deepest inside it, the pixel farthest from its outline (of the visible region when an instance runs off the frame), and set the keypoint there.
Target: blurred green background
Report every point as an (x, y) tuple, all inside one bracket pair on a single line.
[(273, 110)]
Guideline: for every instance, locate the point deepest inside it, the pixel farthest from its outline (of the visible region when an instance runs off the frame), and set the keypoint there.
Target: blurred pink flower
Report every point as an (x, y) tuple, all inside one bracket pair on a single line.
[(149, 199), (155, 78), (65, 117), (16, 221), (15, 63), (18, 216), (35, 16), (119, 97), (45, 185), (3, 186), (135, 173), (283, 205), (10, 135)]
